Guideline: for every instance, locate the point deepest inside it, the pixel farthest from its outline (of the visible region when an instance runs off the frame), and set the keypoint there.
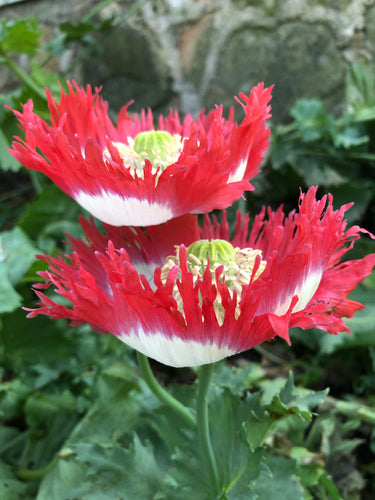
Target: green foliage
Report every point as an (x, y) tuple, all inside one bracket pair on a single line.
[(89, 427), (17, 253), (47, 217), (318, 148), (7, 161), (20, 36)]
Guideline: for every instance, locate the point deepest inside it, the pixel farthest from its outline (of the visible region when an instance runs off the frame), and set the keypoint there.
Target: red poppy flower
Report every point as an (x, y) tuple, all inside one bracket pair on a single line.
[(135, 175), (211, 298)]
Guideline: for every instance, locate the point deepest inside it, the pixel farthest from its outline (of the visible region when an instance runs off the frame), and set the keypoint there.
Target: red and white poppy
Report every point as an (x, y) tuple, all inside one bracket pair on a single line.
[(140, 173), (214, 296)]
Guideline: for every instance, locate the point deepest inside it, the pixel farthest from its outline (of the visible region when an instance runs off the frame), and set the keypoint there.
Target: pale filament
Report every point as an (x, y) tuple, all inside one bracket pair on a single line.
[(235, 275), (135, 162)]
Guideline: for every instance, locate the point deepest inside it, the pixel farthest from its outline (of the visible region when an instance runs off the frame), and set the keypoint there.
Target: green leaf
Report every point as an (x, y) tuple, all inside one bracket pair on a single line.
[(20, 36), (313, 121), (309, 468), (282, 149), (110, 419), (66, 475), (237, 464), (104, 472), (256, 432), (280, 482), (314, 171), (184, 480), (115, 392), (292, 401), (286, 402), (42, 407), (350, 137), (9, 298), (287, 393), (17, 253), (118, 473), (312, 475), (7, 162), (10, 487), (24, 340), (49, 79), (237, 461), (237, 378), (330, 487), (76, 31), (12, 398), (16, 256), (45, 436), (360, 86), (52, 213), (357, 191)]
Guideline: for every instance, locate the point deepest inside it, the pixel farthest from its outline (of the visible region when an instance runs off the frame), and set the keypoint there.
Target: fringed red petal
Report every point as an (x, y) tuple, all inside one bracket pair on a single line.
[(304, 283), (76, 151)]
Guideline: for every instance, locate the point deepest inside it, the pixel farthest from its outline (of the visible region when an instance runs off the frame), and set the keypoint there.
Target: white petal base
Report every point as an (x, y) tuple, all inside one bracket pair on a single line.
[(305, 292), (118, 210), (238, 174), (174, 351)]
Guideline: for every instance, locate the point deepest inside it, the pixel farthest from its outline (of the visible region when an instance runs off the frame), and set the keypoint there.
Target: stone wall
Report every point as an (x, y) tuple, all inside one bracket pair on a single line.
[(195, 53)]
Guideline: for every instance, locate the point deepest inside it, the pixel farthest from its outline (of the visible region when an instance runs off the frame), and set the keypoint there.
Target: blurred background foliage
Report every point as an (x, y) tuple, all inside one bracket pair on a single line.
[(58, 382)]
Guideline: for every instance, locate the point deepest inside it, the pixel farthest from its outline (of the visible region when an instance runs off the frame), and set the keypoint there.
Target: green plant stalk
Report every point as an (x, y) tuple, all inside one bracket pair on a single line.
[(162, 394), (98, 8), (131, 11), (269, 355), (204, 377), (330, 487), (35, 181), (22, 75), (32, 475), (354, 409), (101, 5), (323, 154)]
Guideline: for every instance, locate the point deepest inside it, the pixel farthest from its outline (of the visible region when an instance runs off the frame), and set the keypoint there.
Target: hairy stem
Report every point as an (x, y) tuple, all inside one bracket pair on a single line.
[(204, 378), (22, 75), (162, 394)]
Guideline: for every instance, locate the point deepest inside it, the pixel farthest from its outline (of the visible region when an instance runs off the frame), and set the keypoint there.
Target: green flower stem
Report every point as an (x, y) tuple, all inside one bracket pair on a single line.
[(353, 409), (204, 378), (162, 394), (35, 180), (33, 475), (22, 75)]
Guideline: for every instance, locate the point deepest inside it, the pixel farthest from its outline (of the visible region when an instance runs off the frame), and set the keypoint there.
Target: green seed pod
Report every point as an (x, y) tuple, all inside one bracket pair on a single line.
[(153, 145), (216, 251)]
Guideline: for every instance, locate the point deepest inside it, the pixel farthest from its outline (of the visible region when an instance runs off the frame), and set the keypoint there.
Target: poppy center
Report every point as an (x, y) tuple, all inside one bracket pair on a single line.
[(240, 266), (159, 147), (212, 251)]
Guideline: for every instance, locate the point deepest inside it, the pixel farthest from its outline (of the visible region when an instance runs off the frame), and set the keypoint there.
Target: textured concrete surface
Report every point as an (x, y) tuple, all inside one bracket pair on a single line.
[(196, 53)]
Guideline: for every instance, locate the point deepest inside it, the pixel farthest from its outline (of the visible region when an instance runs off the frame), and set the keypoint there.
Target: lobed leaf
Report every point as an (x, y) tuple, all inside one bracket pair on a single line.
[(20, 36)]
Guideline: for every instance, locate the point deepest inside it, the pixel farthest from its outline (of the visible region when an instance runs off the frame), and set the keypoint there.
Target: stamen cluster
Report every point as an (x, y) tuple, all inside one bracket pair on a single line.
[(245, 266), (159, 147)]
